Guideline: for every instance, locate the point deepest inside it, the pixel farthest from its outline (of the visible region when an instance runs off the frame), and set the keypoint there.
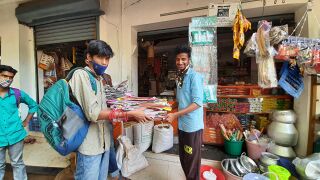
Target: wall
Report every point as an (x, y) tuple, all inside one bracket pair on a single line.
[(110, 31), (17, 50), (27, 64), (9, 33)]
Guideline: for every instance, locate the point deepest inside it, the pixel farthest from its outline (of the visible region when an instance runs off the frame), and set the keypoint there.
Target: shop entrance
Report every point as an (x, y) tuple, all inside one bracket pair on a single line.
[(156, 70)]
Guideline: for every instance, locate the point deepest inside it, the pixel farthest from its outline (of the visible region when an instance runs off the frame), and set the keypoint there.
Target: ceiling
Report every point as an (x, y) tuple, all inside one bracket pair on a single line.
[(3, 2)]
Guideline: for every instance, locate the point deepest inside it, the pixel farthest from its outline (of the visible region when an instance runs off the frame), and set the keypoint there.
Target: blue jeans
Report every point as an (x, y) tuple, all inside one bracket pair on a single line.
[(15, 154), (93, 167), (113, 166)]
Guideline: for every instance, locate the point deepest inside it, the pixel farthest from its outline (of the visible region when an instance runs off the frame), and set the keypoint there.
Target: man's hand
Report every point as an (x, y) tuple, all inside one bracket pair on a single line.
[(139, 115), (171, 117), (25, 123)]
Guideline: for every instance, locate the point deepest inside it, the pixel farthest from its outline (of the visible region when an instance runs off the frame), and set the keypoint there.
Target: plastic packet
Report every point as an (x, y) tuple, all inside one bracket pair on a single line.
[(308, 167), (263, 39), (267, 76), (251, 46), (278, 34)]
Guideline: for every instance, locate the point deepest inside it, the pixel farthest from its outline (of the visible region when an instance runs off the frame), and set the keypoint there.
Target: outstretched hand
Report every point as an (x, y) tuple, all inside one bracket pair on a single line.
[(139, 115)]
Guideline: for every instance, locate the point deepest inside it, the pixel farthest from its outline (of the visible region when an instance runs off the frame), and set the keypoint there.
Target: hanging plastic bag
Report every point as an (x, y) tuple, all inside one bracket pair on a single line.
[(162, 138), (251, 46), (308, 167), (263, 39), (120, 155), (278, 34), (267, 76)]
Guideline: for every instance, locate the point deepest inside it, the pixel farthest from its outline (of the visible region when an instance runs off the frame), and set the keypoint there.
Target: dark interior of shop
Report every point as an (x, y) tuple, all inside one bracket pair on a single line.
[(155, 76), (67, 56)]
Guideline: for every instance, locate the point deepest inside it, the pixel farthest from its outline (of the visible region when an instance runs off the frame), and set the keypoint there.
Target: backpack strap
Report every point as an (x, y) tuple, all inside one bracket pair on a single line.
[(17, 94), (91, 77)]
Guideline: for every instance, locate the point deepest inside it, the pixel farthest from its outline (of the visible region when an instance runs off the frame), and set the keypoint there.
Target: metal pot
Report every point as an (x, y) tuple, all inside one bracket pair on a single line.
[(241, 170), (233, 168), (248, 163), (282, 151), (268, 159), (226, 170), (283, 134), (284, 116)]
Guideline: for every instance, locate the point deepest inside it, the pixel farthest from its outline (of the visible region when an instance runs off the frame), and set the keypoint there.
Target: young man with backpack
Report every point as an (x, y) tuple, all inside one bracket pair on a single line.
[(93, 153), (12, 132)]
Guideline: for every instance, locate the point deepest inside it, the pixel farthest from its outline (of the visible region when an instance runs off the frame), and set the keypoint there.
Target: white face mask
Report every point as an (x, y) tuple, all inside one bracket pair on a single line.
[(5, 83)]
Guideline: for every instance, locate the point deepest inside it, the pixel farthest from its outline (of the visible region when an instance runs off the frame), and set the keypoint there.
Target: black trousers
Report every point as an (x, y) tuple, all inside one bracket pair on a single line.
[(190, 153)]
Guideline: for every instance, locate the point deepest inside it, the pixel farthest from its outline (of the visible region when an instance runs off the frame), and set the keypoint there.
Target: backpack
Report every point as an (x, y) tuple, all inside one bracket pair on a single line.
[(17, 94), (61, 117)]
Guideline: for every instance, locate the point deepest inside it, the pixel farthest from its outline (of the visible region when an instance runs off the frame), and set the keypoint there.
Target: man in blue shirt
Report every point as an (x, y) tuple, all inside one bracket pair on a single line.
[(190, 114), (12, 132)]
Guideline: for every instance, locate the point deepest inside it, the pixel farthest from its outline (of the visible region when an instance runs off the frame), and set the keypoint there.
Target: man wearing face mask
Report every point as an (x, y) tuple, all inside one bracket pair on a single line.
[(190, 114), (12, 132), (93, 154)]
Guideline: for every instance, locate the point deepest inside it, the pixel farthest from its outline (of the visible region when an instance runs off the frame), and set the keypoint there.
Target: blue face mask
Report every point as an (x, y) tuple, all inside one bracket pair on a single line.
[(98, 69)]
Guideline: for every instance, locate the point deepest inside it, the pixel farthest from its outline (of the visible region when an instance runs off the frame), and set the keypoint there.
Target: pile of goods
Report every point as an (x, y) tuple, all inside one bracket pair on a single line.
[(261, 47), (212, 131), (283, 132), (231, 135), (238, 168), (114, 92), (155, 108)]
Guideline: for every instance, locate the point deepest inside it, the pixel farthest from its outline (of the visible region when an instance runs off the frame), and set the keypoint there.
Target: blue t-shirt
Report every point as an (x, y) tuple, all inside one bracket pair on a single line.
[(191, 92)]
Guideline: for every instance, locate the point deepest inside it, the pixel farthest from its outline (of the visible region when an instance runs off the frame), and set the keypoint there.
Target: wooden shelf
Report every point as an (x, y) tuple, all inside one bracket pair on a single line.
[(208, 110), (261, 96)]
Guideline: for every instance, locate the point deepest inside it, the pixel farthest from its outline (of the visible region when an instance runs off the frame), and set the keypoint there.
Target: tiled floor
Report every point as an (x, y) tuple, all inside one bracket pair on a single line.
[(165, 167), (161, 166), (41, 154)]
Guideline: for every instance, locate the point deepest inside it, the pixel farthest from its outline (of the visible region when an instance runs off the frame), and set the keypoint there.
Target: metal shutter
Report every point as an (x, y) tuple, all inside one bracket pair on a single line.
[(66, 31)]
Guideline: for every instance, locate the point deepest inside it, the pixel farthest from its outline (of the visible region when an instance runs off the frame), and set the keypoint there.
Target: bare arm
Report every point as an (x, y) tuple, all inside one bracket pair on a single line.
[(138, 115), (190, 108), (28, 118)]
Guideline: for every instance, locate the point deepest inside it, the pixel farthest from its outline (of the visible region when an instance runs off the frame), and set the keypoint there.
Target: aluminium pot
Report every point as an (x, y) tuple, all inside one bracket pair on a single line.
[(268, 159), (284, 116), (282, 151), (283, 134)]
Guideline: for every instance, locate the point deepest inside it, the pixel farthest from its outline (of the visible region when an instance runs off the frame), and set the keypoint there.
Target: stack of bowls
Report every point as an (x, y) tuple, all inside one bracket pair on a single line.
[(283, 132)]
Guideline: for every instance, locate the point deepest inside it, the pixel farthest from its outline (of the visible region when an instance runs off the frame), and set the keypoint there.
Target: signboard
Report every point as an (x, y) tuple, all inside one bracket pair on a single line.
[(225, 13), (203, 41)]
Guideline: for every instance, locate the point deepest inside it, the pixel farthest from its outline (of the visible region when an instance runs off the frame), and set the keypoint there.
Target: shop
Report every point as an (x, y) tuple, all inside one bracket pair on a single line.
[(143, 38), (60, 36), (242, 93)]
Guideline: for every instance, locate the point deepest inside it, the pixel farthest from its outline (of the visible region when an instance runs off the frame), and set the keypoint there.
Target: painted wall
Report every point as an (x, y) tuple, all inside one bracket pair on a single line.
[(9, 33), (110, 31), (17, 50)]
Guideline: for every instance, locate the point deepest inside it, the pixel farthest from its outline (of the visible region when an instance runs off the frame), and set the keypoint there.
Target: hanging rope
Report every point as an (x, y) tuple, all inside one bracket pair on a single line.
[(304, 21), (316, 19), (304, 15), (263, 6)]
